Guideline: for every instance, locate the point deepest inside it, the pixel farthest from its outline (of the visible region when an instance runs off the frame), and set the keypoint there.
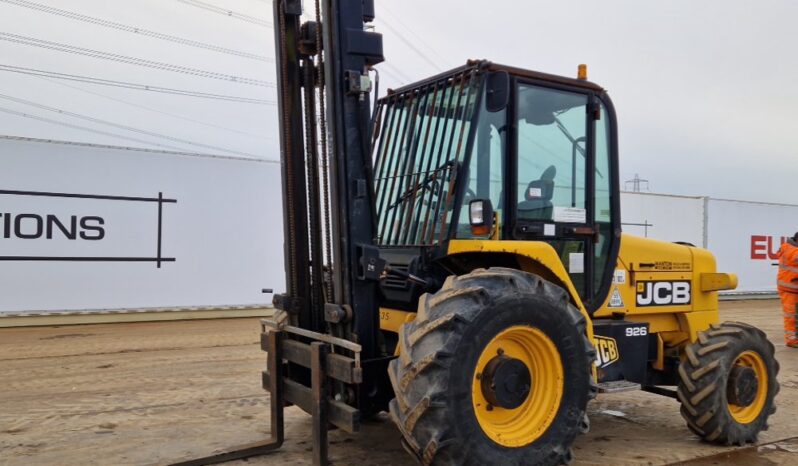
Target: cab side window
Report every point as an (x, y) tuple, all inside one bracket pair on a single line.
[(603, 201), (552, 130)]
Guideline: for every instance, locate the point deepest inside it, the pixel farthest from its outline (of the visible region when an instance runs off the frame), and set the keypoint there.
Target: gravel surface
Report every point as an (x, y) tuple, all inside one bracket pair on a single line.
[(147, 393)]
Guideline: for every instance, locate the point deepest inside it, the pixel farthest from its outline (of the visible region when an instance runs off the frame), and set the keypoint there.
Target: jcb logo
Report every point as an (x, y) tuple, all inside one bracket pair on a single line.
[(663, 293), (606, 350)]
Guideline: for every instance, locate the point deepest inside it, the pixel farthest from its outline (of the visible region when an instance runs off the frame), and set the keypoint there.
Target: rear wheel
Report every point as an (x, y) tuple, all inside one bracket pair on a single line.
[(496, 369), (728, 383)]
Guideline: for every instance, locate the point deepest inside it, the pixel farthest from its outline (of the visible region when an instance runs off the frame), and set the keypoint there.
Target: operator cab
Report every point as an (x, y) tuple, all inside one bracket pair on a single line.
[(489, 152)]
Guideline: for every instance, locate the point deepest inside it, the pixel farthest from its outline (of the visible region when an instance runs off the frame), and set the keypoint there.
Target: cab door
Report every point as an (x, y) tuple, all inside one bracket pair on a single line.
[(561, 195)]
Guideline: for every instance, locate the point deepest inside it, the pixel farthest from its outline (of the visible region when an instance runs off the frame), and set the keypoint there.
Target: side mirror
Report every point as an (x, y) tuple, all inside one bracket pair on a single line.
[(480, 215), (498, 91)]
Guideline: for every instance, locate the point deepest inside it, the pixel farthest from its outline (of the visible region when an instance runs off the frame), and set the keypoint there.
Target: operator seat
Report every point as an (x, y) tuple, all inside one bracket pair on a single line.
[(537, 204)]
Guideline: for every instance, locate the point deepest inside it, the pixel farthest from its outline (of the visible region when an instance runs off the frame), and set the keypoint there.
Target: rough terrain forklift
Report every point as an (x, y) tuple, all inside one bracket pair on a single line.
[(454, 256)]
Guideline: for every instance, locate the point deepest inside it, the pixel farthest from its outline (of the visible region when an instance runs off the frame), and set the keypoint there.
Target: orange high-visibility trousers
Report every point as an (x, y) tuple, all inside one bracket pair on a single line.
[(789, 304)]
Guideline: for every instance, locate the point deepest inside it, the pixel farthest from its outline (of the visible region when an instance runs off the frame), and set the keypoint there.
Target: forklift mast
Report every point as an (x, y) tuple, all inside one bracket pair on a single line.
[(329, 220)]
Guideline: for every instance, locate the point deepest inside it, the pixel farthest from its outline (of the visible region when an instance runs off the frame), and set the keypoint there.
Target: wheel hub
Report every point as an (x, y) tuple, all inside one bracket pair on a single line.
[(501, 383), (506, 382), (742, 386)]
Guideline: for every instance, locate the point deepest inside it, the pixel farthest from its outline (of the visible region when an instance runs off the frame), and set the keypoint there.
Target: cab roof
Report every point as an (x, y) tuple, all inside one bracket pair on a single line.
[(485, 65)]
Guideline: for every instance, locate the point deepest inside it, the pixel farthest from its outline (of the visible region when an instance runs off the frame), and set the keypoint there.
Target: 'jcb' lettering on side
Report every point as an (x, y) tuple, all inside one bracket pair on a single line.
[(606, 350), (663, 293)]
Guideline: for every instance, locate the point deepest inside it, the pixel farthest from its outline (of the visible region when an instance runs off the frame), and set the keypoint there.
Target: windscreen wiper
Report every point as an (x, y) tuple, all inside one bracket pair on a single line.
[(431, 177)]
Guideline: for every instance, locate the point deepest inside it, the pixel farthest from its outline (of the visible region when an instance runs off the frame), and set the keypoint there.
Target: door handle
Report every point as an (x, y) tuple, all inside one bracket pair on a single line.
[(585, 231)]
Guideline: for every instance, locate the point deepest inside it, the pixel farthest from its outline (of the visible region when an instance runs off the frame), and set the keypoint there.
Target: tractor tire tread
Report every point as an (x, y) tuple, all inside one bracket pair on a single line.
[(702, 382), (433, 337)]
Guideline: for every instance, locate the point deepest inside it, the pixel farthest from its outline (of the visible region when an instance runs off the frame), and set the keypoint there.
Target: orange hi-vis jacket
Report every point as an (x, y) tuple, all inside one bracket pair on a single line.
[(788, 267)]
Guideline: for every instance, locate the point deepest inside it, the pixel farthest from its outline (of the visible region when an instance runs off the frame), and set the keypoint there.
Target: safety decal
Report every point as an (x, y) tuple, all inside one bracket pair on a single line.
[(615, 299), (569, 215)]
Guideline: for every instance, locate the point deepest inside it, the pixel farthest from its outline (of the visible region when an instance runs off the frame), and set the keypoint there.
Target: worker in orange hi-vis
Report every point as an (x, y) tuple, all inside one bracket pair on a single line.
[(788, 288)]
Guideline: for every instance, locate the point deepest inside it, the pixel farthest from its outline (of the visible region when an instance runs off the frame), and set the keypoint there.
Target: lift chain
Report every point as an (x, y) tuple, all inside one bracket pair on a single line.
[(325, 191), (289, 166)]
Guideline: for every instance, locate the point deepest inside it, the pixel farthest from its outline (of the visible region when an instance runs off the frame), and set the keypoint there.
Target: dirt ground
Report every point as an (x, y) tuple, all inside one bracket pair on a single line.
[(148, 393)]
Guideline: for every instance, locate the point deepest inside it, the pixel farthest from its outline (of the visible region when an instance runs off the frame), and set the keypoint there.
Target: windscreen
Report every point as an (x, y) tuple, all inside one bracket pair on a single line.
[(422, 138)]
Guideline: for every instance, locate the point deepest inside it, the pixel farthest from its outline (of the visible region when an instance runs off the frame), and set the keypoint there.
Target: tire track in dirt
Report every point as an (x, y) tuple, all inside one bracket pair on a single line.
[(192, 388)]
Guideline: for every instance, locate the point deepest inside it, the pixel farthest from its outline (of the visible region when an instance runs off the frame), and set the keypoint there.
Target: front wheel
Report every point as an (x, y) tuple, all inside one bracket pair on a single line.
[(728, 383), (496, 369)]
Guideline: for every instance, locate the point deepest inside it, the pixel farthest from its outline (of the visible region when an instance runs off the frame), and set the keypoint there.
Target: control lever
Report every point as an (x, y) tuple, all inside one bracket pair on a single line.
[(388, 271)]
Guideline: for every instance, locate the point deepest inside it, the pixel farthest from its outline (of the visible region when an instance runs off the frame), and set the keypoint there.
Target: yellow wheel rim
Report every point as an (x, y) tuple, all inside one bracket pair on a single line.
[(523, 425), (748, 414)]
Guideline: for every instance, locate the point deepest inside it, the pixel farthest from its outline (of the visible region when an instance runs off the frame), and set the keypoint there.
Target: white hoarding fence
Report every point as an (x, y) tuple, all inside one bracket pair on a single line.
[(664, 217), (86, 227), (745, 237)]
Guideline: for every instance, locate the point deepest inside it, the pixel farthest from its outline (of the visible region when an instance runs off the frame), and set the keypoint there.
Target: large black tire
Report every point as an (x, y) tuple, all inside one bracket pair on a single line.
[(433, 376), (704, 380)]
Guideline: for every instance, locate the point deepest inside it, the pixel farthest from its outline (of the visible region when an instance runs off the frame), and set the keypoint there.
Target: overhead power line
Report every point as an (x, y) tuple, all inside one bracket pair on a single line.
[(14, 38), (129, 85), (155, 110), (383, 7), (117, 125), (135, 30), (412, 46), (226, 12), (180, 152), (84, 128), (395, 73)]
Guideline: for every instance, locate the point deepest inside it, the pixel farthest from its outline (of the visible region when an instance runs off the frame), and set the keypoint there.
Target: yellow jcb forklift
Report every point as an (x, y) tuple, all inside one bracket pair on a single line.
[(454, 256)]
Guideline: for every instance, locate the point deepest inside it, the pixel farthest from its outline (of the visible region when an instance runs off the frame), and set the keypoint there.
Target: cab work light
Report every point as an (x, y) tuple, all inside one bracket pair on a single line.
[(480, 216)]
